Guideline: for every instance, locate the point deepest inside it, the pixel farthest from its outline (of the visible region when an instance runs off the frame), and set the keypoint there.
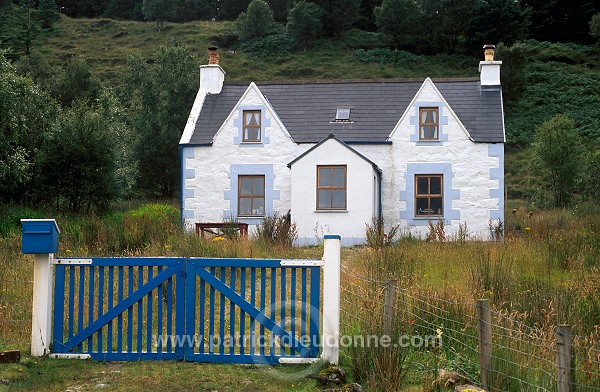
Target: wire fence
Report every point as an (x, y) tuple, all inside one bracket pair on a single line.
[(523, 356)]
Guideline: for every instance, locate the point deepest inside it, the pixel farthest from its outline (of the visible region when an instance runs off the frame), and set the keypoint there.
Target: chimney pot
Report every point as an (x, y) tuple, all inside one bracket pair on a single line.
[(213, 56), (488, 51)]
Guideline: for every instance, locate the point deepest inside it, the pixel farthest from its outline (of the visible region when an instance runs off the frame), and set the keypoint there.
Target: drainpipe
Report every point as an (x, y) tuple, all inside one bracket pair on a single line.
[(380, 209)]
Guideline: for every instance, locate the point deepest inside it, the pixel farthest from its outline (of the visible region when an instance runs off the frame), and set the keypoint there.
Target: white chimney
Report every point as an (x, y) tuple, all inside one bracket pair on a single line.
[(212, 75), (489, 69)]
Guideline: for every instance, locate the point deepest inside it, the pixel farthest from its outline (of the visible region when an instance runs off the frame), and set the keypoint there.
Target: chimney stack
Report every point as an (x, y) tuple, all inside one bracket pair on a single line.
[(213, 56), (489, 69), (212, 75)]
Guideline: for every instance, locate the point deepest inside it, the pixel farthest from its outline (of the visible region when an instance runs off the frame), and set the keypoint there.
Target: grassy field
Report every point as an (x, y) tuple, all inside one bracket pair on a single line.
[(546, 272)]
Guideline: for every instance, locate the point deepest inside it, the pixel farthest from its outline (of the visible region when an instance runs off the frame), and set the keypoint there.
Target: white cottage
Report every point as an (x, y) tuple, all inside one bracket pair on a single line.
[(337, 153)]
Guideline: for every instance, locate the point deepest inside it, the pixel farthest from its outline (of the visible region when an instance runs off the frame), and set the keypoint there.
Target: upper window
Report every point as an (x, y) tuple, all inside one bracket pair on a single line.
[(429, 195), (331, 187), (428, 123), (342, 114), (251, 126), (251, 195)]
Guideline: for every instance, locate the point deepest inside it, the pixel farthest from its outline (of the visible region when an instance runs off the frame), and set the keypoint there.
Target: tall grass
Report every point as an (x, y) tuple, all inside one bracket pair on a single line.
[(545, 272)]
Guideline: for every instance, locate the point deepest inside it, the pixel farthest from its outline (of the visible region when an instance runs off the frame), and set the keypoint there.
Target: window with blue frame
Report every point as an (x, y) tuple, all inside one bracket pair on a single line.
[(429, 123), (251, 195), (251, 126), (429, 195)]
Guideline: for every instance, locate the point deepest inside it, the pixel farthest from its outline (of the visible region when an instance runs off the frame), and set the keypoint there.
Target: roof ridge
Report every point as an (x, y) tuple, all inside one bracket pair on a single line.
[(345, 81)]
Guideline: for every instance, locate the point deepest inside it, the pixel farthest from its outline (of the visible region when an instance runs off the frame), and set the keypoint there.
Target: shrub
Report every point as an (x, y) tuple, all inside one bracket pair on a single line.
[(386, 56), (279, 230), (277, 44), (375, 233)]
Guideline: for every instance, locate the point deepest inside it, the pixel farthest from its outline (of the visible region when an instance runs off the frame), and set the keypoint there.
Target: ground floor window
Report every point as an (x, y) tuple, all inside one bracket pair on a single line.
[(429, 195), (251, 195), (331, 187)]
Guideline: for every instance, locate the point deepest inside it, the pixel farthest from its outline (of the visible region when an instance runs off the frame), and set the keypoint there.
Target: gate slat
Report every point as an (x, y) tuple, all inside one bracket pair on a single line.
[(81, 301), (71, 300), (211, 331), (202, 311), (149, 318), (140, 313), (130, 311), (169, 313), (120, 318), (303, 299), (91, 308), (263, 289), (253, 303), (100, 304), (222, 316), (159, 316), (232, 315), (315, 291), (59, 310), (293, 301), (110, 287), (273, 305), (242, 313), (282, 307)]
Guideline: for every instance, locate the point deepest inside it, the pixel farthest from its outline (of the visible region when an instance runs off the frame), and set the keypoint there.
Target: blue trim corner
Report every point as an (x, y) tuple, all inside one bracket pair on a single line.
[(497, 173)]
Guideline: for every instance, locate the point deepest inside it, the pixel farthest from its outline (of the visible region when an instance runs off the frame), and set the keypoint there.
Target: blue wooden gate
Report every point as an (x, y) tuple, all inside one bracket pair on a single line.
[(209, 310), (119, 308), (252, 311)]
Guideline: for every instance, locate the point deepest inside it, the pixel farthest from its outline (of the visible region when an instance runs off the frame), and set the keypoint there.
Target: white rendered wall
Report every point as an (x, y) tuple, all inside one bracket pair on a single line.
[(313, 223)]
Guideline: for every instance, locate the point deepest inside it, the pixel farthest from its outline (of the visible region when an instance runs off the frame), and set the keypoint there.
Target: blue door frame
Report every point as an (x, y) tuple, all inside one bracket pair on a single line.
[(206, 310)]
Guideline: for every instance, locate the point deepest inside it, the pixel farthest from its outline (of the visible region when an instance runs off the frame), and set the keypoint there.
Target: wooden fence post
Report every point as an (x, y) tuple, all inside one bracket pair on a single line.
[(389, 305), (564, 354), (331, 299), (484, 333)]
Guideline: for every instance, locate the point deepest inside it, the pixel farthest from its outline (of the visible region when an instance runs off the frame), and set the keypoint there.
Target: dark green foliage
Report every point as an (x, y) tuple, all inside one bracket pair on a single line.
[(188, 10), (387, 56), (82, 8), (231, 9), (76, 81), (280, 9), (445, 23), (121, 9), (159, 96), (338, 15), (27, 114), (512, 73), (276, 44), (496, 21), (78, 160), (595, 26), (158, 10), (562, 20), (256, 22), (19, 28), (589, 184), (399, 20), (304, 23), (47, 13), (557, 150)]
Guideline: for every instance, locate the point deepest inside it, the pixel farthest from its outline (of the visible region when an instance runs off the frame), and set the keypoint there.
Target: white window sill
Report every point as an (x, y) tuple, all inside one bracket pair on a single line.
[(430, 217), (331, 211)]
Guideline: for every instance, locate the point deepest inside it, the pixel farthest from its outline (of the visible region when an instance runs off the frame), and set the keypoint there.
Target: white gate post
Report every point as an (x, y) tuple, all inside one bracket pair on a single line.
[(41, 318), (331, 299), (40, 238)]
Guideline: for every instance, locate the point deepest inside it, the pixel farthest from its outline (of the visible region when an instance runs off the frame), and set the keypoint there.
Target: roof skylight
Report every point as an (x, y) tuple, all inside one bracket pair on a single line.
[(342, 114)]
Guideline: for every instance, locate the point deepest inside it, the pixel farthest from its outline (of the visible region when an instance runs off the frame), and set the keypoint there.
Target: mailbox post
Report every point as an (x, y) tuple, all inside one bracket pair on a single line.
[(40, 238)]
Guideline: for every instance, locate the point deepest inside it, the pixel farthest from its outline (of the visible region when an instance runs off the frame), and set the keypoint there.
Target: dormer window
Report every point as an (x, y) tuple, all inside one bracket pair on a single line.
[(429, 123), (252, 126), (342, 115)]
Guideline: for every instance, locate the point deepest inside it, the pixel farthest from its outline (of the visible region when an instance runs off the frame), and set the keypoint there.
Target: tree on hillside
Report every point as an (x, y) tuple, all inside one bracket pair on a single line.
[(338, 15), (595, 27), (557, 151), (76, 81), (446, 21), (47, 13), (399, 20), (78, 159), (159, 10), (27, 115), (82, 8), (280, 9), (231, 9), (159, 96), (562, 20), (304, 23), (256, 22), (188, 10), (496, 21)]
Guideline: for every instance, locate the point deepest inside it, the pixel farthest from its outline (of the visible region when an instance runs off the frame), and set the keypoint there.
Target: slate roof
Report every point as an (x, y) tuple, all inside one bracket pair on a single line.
[(308, 109)]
